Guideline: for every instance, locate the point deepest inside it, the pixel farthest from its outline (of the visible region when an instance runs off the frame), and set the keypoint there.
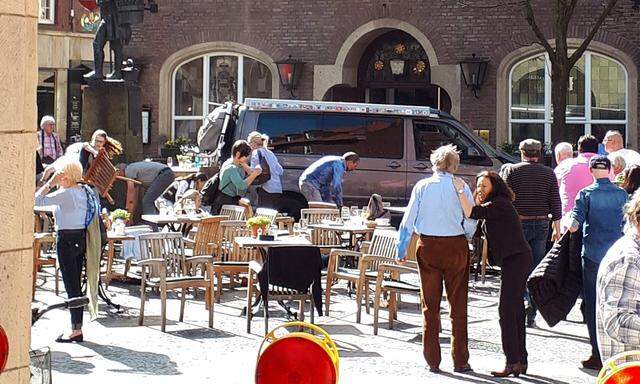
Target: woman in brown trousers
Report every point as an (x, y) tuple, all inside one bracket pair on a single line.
[(509, 249)]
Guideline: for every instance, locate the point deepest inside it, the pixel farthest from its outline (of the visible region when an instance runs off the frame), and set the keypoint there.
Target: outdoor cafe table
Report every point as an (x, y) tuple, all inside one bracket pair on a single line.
[(184, 222), (263, 246), (351, 229), (112, 238)]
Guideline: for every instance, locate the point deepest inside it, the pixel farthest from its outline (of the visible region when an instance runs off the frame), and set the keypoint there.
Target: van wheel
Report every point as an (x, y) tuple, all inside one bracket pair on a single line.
[(292, 203)]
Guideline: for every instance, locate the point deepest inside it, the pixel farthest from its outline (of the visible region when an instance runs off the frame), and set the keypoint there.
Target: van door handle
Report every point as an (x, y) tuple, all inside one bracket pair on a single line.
[(394, 165), (421, 166)]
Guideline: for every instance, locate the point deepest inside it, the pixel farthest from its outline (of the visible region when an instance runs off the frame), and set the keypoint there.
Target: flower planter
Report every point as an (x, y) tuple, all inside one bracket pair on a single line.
[(118, 226), (254, 230), (170, 152)]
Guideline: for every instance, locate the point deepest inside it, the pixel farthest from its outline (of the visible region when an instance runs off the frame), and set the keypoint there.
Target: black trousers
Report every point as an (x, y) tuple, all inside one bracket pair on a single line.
[(71, 248), (515, 270), (269, 200), (223, 199)]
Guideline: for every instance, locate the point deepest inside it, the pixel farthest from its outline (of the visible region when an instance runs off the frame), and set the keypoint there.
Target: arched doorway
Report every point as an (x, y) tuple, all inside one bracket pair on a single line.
[(393, 69)]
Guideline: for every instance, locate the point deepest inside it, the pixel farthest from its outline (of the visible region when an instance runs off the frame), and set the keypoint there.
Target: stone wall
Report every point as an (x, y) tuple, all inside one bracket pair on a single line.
[(18, 82)]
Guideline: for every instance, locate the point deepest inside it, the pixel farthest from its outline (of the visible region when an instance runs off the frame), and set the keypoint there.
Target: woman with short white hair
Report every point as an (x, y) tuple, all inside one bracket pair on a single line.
[(75, 207)]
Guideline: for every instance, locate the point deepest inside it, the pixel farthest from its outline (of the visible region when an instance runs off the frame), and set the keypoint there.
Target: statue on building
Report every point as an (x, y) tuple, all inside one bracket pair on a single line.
[(117, 17)]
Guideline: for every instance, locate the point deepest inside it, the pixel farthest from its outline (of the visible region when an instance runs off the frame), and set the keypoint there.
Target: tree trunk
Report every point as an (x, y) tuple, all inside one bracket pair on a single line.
[(559, 87)]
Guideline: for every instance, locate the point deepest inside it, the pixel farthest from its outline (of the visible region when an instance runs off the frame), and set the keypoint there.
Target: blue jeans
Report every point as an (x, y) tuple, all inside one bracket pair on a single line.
[(589, 278), (536, 233)]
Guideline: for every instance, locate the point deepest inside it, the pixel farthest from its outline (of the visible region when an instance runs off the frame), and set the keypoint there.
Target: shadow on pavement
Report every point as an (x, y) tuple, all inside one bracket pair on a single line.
[(139, 362), (65, 363), (351, 350), (475, 377)]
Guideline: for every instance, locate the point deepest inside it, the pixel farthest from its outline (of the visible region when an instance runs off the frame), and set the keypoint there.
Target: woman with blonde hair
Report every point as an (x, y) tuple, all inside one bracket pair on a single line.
[(76, 208)]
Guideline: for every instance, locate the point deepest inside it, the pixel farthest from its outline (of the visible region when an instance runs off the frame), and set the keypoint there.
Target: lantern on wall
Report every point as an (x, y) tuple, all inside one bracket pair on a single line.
[(289, 71), (474, 70)]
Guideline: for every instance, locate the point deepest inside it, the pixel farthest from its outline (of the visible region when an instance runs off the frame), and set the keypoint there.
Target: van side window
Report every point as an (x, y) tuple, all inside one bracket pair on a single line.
[(368, 136), (430, 135), (291, 132)]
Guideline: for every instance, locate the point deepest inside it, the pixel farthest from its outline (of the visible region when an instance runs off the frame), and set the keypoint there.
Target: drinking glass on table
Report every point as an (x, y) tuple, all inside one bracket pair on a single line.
[(169, 161), (303, 224), (354, 210)]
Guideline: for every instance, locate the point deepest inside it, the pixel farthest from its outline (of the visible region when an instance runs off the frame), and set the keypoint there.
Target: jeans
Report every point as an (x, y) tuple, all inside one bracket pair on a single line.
[(310, 192), (536, 233), (156, 189), (71, 247), (589, 278)]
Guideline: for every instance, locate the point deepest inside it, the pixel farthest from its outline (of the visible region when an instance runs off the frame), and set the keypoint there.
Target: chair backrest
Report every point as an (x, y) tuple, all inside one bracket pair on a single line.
[(383, 243), (322, 204), (228, 250), (294, 267), (101, 174), (166, 245), (207, 235), (234, 212), (316, 215), (268, 213)]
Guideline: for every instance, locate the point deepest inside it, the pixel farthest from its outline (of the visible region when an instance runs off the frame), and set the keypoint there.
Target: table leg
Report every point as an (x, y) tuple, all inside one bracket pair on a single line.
[(110, 256)]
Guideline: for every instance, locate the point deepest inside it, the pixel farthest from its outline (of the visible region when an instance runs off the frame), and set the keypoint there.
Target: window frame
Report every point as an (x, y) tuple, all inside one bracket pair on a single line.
[(206, 77), (586, 120), (51, 12)]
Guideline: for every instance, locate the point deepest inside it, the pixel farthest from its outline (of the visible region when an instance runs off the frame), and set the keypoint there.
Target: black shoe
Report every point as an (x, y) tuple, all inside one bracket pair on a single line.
[(463, 369), (592, 363), (531, 322), (434, 370), (74, 339)]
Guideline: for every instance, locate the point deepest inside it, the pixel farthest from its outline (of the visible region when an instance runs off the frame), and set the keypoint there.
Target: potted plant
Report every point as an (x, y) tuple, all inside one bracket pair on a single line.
[(119, 218), (172, 148), (258, 222)]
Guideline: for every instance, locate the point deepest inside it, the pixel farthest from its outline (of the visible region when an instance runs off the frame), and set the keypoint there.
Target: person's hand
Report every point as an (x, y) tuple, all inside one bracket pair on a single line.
[(256, 171), (55, 180), (459, 183), (573, 229), (556, 235)]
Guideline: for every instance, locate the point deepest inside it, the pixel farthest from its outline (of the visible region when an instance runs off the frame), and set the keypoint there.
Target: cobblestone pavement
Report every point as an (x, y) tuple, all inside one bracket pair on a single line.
[(117, 350)]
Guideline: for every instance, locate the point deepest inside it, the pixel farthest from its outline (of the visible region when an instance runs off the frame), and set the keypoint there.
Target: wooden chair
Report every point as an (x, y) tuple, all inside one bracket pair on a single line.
[(205, 240), (322, 204), (248, 209), (276, 281), (381, 249), (390, 280), (231, 258), (268, 213), (165, 252), (234, 212), (319, 237), (44, 237)]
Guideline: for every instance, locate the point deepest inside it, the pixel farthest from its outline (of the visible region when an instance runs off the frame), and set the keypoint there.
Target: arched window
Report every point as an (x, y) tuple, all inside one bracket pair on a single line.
[(200, 83), (596, 99)]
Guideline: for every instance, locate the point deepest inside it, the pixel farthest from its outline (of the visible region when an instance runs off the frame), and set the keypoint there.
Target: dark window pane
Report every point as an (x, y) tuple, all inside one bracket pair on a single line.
[(187, 128), (599, 130), (527, 89), (291, 132), (573, 133), (575, 92), (521, 131), (429, 136), (608, 89), (257, 79), (188, 89), (223, 79), (374, 137)]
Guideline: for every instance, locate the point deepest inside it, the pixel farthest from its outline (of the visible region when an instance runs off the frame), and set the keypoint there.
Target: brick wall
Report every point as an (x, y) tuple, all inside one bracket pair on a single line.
[(315, 30)]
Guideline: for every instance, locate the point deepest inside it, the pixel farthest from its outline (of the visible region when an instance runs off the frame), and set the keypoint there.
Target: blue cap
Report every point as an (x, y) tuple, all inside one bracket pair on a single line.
[(600, 162)]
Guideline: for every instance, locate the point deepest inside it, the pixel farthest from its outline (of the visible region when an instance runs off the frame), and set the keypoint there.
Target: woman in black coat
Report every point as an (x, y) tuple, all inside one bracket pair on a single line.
[(509, 249)]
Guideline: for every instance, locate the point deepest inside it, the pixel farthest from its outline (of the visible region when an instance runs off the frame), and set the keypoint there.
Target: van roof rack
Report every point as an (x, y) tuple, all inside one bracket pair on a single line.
[(334, 106)]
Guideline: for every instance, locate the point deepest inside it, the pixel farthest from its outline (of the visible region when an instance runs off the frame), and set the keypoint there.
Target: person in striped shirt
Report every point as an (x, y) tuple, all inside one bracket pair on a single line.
[(537, 201)]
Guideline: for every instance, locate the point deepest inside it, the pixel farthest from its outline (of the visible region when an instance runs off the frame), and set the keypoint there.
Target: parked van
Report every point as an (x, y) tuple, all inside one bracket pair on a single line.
[(394, 143)]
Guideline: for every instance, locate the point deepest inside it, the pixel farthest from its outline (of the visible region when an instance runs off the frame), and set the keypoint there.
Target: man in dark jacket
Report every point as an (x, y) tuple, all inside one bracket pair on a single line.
[(598, 211)]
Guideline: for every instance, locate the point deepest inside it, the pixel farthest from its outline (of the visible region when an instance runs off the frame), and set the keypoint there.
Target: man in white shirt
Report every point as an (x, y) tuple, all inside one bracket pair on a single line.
[(613, 143)]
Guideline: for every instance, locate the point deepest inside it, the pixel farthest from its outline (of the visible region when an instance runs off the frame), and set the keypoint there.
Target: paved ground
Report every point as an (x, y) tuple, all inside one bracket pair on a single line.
[(117, 350)]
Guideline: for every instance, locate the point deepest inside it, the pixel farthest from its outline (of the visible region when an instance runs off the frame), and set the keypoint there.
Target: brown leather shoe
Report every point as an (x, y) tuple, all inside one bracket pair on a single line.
[(463, 369), (434, 370), (509, 369), (592, 363)]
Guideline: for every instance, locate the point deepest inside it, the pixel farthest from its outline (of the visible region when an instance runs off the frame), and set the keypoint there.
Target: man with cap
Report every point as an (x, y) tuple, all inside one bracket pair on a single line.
[(269, 192), (599, 211), (322, 181), (537, 201)]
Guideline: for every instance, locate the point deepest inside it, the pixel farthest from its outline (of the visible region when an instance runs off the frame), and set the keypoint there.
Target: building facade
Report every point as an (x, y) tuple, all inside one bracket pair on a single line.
[(65, 53), (199, 53)]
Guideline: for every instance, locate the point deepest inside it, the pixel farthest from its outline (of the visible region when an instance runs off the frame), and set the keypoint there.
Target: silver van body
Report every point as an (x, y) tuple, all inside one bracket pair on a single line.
[(394, 143)]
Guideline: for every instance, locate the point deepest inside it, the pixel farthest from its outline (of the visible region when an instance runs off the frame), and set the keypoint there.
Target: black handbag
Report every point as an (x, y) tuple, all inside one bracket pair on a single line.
[(266, 171)]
